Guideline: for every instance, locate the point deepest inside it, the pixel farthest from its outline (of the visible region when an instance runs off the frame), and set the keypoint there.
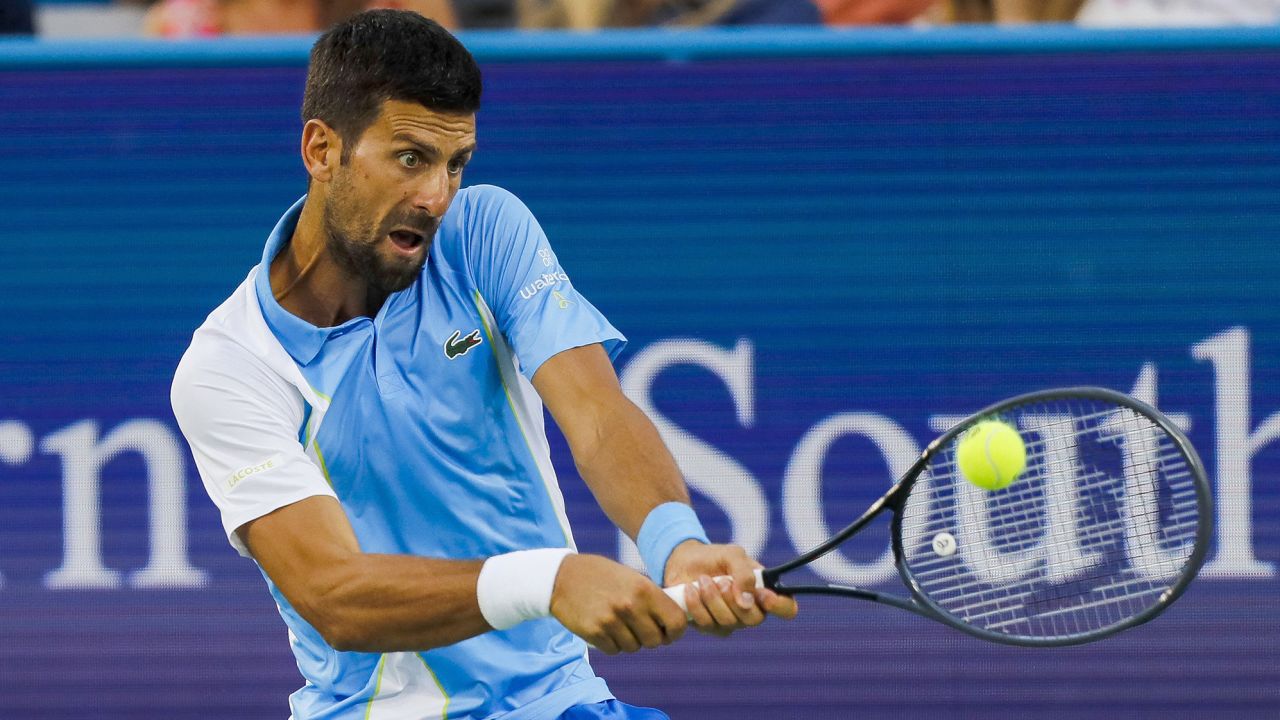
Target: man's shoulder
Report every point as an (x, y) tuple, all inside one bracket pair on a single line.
[(234, 337), (228, 325), (487, 196), (480, 206), (483, 219), (234, 361)]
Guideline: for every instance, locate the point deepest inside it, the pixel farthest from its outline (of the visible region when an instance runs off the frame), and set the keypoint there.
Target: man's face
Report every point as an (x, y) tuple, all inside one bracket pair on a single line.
[(385, 202)]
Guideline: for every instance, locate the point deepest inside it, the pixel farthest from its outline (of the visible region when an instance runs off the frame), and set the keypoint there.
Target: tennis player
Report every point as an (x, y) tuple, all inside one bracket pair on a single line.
[(366, 412)]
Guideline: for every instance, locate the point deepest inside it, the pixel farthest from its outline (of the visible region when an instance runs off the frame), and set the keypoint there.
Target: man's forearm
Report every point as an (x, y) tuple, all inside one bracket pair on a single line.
[(628, 467), (361, 601), (392, 603), (619, 454)]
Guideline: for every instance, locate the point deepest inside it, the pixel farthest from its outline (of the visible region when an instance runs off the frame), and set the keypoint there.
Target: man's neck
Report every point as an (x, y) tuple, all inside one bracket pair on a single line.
[(308, 283)]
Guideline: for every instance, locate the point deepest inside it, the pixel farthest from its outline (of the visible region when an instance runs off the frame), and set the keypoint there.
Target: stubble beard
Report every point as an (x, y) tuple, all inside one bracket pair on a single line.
[(355, 249)]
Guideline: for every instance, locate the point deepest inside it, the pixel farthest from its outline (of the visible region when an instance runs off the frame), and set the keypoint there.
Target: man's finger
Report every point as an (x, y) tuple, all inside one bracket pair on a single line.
[(696, 609), (622, 636), (699, 613), (603, 643), (745, 580), (645, 629), (745, 606), (671, 619), (713, 597), (781, 606)]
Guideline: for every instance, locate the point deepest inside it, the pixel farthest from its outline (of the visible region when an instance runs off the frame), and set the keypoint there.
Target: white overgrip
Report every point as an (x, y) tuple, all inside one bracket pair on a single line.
[(676, 592)]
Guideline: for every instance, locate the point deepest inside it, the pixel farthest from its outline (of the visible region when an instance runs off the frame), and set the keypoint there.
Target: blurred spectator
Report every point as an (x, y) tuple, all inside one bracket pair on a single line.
[(871, 12), (16, 17), (485, 14), (1007, 12), (201, 18), (593, 14), (1151, 13), (570, 14)]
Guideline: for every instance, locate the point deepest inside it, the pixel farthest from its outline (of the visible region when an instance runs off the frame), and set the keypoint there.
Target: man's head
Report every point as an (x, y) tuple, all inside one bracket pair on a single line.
[(390, 121)]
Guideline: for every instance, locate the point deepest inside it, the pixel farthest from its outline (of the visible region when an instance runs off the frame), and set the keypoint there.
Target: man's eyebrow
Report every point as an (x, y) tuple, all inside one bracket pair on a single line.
[(430, 150)]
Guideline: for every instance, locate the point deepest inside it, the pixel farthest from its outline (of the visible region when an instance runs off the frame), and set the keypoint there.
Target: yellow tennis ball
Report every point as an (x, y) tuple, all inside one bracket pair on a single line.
[(991, 455)]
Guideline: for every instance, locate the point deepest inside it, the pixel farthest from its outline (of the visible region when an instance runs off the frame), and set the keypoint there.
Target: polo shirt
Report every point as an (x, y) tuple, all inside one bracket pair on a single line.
[(422, 422)]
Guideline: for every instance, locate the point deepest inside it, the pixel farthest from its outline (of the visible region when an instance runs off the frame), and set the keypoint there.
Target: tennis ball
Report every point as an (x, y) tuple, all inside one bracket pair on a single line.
[(991, 454)]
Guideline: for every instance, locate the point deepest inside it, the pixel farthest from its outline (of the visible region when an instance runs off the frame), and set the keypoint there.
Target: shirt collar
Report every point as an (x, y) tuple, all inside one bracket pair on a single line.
[(300, 339)]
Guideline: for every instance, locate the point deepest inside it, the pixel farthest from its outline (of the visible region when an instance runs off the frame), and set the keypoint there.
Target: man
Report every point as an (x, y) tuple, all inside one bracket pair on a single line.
[(366, 412)]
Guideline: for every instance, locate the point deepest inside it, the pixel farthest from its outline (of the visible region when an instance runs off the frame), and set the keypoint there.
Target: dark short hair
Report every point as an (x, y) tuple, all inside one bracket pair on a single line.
[(382, 55)]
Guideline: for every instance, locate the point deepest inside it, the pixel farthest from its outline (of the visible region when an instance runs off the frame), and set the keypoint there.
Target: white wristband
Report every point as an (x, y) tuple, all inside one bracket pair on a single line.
[(517, 586)]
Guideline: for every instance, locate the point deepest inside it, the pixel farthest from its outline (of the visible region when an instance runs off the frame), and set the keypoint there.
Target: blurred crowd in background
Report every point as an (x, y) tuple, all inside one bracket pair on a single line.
[(204, 18)]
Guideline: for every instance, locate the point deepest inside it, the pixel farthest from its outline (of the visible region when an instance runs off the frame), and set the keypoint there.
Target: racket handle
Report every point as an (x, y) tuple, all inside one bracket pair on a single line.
[(676, 592)]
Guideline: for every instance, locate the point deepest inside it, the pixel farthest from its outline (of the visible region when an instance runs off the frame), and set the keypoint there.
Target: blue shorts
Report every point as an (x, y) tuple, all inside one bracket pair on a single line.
[(612, 710)]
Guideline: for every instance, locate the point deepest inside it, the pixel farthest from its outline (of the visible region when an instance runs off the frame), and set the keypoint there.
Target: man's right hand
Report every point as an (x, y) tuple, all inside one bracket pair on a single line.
[(613, 607)]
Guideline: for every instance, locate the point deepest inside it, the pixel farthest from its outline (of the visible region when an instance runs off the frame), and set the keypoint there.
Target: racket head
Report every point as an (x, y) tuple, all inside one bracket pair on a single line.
[(1105, 528)]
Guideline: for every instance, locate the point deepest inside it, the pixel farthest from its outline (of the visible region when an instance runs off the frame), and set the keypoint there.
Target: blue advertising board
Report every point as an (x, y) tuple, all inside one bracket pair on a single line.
[(824, 248)]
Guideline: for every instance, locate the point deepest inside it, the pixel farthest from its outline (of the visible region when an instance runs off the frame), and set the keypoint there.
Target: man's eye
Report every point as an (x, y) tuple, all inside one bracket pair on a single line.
[(409, 159), (456, 166)]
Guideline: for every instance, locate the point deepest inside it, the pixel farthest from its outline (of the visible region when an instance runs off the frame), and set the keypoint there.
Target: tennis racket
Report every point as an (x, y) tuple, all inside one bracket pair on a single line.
[(1102, 531)]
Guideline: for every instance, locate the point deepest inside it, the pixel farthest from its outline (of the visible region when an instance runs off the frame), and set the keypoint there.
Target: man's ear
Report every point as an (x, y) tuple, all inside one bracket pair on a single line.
[(321, 150)]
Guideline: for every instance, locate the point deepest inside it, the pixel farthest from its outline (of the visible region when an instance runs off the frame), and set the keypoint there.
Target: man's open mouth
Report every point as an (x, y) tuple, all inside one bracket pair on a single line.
[(407, 240)]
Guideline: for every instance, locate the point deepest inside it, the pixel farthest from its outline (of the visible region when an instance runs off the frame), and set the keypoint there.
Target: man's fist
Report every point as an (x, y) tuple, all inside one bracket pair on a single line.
[(613, 607), (721, 590)]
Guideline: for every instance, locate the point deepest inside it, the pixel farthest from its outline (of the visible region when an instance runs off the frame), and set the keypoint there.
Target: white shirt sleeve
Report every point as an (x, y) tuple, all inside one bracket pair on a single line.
[(243, 423)]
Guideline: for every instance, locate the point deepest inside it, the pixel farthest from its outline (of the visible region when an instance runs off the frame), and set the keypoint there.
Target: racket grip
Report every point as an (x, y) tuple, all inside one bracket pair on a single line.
[(676, 592)]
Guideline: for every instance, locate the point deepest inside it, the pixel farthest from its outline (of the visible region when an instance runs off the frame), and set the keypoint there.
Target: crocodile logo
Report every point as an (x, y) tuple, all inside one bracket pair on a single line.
[(457, 346)]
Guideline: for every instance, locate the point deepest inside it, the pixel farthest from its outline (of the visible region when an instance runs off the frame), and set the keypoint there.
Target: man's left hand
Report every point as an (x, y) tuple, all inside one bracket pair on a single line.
[(733, 602)]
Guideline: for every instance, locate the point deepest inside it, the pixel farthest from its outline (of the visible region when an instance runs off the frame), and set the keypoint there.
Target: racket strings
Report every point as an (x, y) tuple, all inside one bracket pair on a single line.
[(1095, 531), (1025, 509)]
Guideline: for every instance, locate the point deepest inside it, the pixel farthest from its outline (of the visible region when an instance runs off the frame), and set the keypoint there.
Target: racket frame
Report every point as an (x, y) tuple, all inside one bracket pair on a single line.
[(920, 604)]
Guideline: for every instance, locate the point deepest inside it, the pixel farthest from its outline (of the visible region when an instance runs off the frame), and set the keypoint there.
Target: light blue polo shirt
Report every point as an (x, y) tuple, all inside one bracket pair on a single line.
[(432, 439)]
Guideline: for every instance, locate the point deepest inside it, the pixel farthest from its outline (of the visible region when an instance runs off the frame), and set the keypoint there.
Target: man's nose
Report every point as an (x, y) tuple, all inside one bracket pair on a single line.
[(432, 193)]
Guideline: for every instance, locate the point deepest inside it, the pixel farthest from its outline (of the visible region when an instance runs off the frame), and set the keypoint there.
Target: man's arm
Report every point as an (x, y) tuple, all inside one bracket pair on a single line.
[(389, 603), (623, 460), (362, 601), (615, 447)]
